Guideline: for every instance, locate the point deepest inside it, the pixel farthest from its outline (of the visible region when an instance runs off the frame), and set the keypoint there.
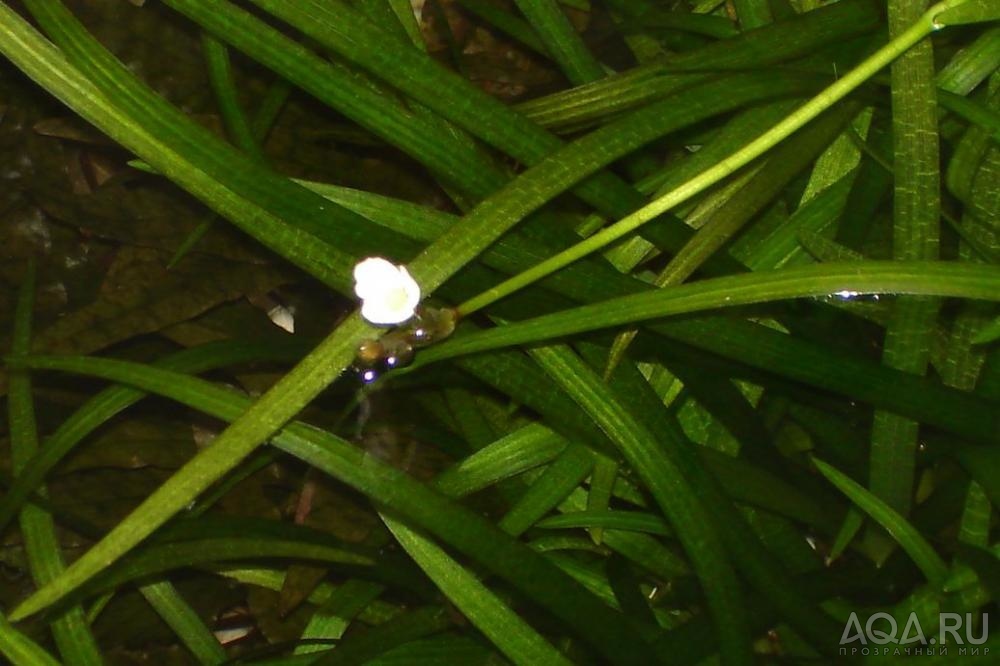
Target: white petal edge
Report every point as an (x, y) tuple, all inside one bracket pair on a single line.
[(374, 312), (373, 275)]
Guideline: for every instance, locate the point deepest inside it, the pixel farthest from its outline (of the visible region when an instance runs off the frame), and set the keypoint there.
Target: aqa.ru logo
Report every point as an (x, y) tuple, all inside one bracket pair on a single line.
[(881, 629)]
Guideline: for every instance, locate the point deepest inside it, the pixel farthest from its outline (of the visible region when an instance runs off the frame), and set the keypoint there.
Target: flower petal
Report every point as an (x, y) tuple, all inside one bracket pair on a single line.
[(373, 275), (389, 294), (375, 312), (411, 288)]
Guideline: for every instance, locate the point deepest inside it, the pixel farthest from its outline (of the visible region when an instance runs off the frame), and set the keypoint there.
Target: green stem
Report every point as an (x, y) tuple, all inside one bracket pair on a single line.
[(794, 121)]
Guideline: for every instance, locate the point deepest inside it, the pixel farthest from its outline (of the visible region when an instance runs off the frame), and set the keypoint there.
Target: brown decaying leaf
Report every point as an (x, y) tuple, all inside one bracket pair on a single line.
[(140, 296)]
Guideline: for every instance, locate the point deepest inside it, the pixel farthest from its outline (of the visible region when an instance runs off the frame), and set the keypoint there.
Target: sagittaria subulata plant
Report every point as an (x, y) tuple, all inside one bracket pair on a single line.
[(709, 367)]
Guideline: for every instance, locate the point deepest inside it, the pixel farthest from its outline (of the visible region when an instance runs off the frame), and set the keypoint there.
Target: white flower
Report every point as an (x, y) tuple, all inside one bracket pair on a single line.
[(388, 294)]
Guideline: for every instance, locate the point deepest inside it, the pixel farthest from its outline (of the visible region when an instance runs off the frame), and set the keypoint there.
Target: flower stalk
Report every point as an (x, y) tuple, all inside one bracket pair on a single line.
[(929, 22)]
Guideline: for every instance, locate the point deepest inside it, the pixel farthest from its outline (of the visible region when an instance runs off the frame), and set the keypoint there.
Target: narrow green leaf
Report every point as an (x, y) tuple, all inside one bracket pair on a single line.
[(846, 280), (270, 108), (21, 650), (654, 17), (446, 152), (220, 77), (103, 406), (272, 410), (332, 618), (338, 27), (471, 422), (505, 628), (561, 41), (41, 543), (779, 42), (755, 562), (919, 28), (972, 65), (818, 214), (159, 558), (274, 579), (758, 486), (988, 333), (602, 483), (693, 525), (288, 396), (972, 111), (521, 450), (853, 522), (748, 343), (969, 11), (908, 537), (916, 212), (974, 528), (180, 617), (773, 353), (461, 528), (643, 550), (986, 567), (505, 22), (632, 521), (982, 465), (565, 473), (974, 532), (783, 164)]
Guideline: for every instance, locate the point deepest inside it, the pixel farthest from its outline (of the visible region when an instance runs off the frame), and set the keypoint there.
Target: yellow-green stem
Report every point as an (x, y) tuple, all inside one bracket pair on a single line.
[(796, 120)]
